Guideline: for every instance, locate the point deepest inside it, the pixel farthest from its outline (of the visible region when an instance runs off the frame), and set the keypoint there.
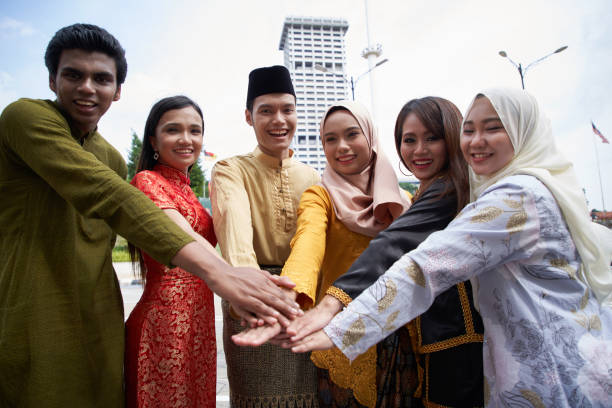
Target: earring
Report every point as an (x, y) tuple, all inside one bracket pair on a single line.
[(399, 166), (156, 156)]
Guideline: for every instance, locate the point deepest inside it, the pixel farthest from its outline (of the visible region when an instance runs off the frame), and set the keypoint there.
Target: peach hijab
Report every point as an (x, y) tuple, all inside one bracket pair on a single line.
[(366, 203)]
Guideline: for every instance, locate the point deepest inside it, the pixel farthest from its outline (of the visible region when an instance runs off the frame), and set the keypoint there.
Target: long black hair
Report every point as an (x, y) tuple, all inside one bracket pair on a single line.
[(146, 161)]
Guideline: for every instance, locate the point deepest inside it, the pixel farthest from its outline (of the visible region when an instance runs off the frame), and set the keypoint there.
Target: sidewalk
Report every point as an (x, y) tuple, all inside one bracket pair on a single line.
[(131, 291)]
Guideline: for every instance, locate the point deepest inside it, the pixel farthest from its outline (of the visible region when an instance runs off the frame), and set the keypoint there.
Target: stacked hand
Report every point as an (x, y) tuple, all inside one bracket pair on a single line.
[(303, 333)]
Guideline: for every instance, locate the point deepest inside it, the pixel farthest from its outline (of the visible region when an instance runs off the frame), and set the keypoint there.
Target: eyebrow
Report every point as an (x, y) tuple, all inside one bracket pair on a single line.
[(78, 71), (487, 120), (179, 124)]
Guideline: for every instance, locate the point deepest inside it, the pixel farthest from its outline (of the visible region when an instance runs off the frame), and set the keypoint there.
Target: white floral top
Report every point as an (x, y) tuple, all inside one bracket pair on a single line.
[(548, 343)]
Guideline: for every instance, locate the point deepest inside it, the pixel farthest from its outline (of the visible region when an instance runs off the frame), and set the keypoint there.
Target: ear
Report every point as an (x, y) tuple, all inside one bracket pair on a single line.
[(117, 94), (52, 84), (153, 141), (248, 117)]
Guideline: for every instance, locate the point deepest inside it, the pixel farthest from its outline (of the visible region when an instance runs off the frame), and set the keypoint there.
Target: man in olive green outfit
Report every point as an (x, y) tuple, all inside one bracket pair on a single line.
[(63, 198)]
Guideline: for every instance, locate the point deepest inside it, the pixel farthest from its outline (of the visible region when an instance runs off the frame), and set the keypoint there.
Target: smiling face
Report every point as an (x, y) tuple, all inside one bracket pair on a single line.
[(344, 143), (274, 120), (484, 141), (423, 152), (178, 138), (85, 86)]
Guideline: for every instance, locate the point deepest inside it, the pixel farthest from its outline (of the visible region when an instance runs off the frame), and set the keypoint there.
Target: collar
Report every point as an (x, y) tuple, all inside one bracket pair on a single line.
[(76, 134), (271, 161), (172, 174)]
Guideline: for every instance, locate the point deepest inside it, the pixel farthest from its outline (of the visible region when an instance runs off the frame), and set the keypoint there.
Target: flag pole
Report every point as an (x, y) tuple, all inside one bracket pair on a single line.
[(603, 203)]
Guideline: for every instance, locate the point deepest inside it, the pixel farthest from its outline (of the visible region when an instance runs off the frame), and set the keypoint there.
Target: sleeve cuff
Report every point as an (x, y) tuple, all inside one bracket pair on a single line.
[(339, 294)]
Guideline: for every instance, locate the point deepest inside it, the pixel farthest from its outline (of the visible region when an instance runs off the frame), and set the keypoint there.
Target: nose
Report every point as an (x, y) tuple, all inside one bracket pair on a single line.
[(421, 148), (184, 136), (477, 139), (86, 85), (278, 117), (342, 144)]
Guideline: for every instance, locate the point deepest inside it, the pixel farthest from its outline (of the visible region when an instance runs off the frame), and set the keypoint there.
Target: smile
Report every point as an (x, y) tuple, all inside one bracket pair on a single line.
[(422, 163), (278, 133), (347, 158), (84, 103), (183, 151), (479, 157)]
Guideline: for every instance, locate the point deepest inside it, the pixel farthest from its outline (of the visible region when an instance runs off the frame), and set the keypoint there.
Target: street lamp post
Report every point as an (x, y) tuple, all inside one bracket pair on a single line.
[(523, 70), (352, 81)]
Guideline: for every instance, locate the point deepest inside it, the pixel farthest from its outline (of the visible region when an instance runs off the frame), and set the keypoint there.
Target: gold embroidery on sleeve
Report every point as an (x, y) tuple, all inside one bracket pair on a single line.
[(389, 326), (416, 274), (389, 296), (339, 294), (516, 222), (486, 214), (354, 333), (513, 204)]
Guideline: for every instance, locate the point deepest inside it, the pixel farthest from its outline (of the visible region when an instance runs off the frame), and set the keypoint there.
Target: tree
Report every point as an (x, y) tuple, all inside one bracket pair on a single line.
[(197, 179), (411, 187), (133, 155)]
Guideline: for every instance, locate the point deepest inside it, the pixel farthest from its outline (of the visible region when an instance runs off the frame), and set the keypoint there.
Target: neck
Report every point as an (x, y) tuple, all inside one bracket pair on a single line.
[(280, 155)]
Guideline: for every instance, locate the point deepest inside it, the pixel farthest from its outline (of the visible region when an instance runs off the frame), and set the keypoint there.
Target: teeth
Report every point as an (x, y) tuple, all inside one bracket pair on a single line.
[(480, 155), (85, 103), (419, 162), (184, 151)]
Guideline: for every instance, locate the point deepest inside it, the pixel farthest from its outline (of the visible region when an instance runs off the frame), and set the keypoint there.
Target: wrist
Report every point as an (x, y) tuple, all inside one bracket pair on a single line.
[(330, 304)]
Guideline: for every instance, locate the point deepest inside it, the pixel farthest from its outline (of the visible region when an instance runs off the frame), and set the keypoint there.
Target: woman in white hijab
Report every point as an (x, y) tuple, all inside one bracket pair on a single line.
[(540, 268)]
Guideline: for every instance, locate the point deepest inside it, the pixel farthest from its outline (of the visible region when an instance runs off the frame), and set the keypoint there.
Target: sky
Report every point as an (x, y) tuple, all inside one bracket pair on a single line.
[(205, 49)]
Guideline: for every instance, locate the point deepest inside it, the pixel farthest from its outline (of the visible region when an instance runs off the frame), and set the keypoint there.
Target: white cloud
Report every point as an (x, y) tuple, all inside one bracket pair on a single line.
[(10, 26)]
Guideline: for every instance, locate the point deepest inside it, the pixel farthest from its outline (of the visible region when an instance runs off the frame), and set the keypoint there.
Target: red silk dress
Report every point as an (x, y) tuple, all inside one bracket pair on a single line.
[(171, 355)]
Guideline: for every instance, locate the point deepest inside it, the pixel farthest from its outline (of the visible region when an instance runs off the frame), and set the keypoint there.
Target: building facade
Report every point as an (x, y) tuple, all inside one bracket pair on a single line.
[(314, 53)]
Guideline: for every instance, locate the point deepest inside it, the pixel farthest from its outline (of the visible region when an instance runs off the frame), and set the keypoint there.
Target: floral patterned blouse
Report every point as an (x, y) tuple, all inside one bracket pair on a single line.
[(548, 342)]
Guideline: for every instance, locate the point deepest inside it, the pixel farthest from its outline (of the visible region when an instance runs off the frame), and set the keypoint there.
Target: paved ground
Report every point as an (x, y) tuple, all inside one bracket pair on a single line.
[(131, 291)]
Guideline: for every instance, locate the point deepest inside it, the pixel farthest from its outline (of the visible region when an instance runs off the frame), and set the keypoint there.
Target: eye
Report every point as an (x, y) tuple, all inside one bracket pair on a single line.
[(468, 131), (196, 131), (289, 111), (330, 139), (103, 79), (408, 140), (432, 138), (494, 128), (71, 75)]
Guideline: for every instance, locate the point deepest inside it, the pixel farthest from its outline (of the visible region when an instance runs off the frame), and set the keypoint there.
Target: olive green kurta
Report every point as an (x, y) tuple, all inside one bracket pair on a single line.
[(61, 313)]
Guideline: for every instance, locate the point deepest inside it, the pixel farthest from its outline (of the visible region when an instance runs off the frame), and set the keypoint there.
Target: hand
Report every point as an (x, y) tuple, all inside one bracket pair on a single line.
[(282, 281), (314, 319), (251, 290), (316, 341), (248, 319), (248, 289), (257, 336)]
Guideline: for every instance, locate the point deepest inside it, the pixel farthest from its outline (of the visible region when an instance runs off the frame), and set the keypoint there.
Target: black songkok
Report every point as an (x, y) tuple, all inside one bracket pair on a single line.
[(267, 80)]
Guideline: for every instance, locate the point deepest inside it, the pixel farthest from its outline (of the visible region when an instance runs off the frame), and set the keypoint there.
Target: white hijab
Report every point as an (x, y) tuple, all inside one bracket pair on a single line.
[(536, 154)]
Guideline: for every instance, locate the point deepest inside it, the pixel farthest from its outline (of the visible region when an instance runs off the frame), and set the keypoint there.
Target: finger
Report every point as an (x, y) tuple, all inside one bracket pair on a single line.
[(282, 281), (275, 297), (263, 312)]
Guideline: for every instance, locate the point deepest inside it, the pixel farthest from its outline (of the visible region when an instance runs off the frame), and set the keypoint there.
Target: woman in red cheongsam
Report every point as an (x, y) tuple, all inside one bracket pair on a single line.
[(170, 346)]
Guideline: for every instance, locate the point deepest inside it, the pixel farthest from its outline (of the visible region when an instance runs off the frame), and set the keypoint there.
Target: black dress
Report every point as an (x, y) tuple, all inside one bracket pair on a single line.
[(446, 340)]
